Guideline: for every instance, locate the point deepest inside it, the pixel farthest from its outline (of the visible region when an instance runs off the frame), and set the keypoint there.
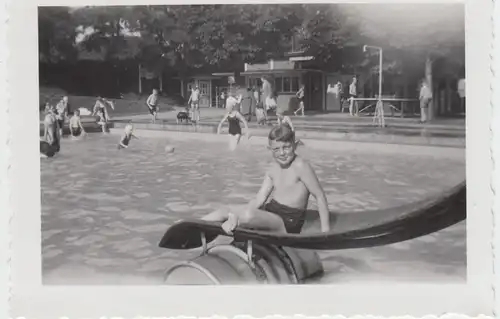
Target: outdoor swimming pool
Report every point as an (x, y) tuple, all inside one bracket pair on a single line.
[(104, 210)]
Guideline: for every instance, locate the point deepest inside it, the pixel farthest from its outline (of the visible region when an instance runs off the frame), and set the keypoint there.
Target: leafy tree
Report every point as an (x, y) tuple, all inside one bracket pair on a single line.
[(56, 34)]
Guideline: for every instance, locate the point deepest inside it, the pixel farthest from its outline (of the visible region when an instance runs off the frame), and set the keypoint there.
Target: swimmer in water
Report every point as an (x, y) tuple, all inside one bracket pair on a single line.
[(75, 125), (127, 136), (291, 180), (234, 117), (50, 143)]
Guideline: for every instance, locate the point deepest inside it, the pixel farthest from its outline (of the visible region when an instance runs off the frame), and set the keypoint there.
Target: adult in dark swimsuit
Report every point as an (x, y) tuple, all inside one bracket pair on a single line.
[(233, 117)]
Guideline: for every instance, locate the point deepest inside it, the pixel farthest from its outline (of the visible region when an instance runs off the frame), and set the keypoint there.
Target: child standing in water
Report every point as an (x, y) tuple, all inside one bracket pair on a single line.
[(283, 119), (75, 125), (61, 113), (50, 143), (291, 180), (101, 110), (152, 103), (127, 136), (234, 117)]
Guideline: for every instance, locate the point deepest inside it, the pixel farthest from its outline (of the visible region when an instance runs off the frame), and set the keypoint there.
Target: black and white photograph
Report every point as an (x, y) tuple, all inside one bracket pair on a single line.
[(256, 144), (354, 203)]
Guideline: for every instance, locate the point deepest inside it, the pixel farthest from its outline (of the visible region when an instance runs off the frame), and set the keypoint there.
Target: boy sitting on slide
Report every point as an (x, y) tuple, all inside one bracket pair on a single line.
[(292, 179)]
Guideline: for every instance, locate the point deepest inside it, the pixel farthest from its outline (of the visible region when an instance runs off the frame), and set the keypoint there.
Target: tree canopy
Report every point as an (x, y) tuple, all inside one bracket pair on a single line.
[(194, 36)]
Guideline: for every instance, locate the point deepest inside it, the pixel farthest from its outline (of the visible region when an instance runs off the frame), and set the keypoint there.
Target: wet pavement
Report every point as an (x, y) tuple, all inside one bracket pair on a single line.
[(104, 210)]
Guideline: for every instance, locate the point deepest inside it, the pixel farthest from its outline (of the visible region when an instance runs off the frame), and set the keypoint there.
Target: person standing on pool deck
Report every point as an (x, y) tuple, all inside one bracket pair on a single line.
[(152, 103), (247, 103), (259, 106), (194, 102), (425, 98), (291, 180), (234, 117), (353, 92), (62, 113), (267, 96), (300, 97)]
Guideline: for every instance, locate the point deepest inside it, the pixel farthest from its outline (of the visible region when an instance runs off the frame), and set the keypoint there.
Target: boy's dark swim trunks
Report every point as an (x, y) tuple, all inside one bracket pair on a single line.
[(292, 217)]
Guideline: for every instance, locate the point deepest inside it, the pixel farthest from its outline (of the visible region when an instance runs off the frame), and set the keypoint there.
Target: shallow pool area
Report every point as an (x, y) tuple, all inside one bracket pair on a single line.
[(104, 210)]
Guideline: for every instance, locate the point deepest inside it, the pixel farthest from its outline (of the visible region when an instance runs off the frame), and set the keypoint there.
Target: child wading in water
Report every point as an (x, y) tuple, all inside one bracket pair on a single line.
[(292, 180), (233, 117), (127, 136), (283, 119), (50, 144), (75, 125), (61, 113)]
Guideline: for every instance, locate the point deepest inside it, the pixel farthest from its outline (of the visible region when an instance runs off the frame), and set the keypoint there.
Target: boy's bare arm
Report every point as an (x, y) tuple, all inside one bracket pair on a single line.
[(310, 180), (265, 190), (80, 125)]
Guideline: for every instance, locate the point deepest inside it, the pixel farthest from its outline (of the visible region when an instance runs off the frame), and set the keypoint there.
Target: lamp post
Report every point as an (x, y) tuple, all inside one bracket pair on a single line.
[(379, 109)]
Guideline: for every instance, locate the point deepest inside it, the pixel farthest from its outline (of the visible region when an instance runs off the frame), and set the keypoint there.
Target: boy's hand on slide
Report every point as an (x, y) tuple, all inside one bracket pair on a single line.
[(230, 224)]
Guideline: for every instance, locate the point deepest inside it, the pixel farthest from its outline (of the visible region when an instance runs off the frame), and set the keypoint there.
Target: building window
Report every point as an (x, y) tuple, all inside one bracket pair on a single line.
[(254, 82), (287, 84)]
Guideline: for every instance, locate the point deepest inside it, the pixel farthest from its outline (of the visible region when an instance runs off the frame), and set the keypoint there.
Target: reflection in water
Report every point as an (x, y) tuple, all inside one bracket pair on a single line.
[(104, 210)]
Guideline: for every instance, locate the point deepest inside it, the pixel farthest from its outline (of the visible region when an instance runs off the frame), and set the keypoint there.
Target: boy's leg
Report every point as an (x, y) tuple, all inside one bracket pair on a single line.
[(106, 114), (262, 220), (249, 218)]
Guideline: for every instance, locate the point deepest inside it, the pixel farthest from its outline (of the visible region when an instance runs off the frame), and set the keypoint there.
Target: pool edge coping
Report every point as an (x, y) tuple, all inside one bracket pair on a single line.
[(449, 152)]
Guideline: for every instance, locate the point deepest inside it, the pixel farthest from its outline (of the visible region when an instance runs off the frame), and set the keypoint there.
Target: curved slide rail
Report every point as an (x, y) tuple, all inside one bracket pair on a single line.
[(349, 230)]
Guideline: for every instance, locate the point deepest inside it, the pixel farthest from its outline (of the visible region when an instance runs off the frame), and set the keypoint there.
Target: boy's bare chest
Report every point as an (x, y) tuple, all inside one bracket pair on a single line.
[(286, 179)]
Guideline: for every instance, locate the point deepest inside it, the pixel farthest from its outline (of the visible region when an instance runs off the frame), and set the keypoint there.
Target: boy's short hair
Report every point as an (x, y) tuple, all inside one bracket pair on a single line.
[(282, 133), (76, 112)]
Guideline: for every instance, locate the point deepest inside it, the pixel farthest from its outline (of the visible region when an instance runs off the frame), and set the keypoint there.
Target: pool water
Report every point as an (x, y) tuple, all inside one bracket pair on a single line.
[(104, 210)]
